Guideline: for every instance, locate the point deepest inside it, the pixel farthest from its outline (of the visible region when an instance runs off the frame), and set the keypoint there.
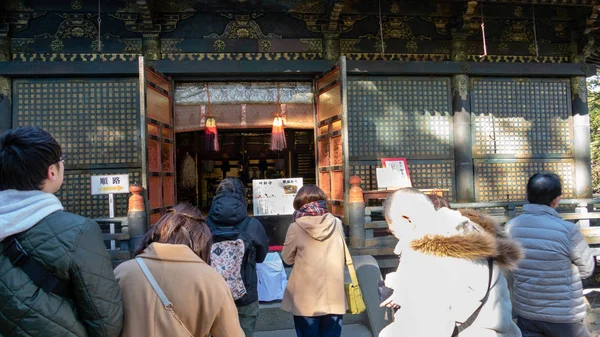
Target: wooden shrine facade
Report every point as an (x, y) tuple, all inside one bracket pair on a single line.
[(414, 82)]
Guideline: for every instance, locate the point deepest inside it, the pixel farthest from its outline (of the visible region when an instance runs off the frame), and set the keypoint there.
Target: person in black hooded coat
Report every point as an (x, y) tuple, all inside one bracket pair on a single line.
[(230, 208)]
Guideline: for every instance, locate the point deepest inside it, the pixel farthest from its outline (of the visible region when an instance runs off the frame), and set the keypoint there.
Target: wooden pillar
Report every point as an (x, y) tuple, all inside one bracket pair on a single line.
[(136, 217), (5, 104), (463, 144), (581, 138), (356, 213)]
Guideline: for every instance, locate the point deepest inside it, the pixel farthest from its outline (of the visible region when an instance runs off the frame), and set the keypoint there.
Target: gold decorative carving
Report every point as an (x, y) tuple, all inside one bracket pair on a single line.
[(348, 45), (396, 57), (170, 45), (134, 45), (313, 45), (151, 48), (242, 27), (265, 46), (398, 28), (20, 45), (579, 88), (5, 88), (314, 6), (518, 31), (76, 4), (518, 59), (395, 7), (57, 45), (219, 45), (518, 11), (460, 86)]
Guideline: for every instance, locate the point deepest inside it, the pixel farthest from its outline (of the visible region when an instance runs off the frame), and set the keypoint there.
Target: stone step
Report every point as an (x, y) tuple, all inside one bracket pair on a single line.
[(271, 317), (351, 330)]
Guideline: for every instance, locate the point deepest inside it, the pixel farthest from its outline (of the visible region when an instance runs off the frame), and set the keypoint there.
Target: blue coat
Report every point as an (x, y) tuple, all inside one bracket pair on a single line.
[(547, 285)]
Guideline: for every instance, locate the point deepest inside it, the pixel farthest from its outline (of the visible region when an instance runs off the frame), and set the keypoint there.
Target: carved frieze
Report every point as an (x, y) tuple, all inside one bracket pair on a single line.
[(242, 27)]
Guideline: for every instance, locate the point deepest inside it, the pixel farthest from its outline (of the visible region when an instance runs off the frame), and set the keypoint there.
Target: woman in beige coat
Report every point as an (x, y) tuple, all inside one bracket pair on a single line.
[(176, 252), (314, 245)]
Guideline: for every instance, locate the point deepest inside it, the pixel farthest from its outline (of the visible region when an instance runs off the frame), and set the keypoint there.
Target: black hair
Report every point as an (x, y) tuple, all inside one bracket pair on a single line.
[(25, 155), (543, 188)]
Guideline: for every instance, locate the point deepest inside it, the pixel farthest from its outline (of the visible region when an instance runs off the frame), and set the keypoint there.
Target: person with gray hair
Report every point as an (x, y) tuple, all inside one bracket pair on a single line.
[(449, 280), (547, 286)]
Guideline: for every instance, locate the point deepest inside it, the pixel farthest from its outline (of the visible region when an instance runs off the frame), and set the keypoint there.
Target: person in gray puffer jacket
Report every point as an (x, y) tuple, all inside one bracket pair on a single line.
[(56, 277), (548, 292)]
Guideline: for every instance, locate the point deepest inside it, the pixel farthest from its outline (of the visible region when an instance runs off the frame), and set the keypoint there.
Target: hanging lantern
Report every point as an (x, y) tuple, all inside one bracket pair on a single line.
[(211, 138), (278, 133)]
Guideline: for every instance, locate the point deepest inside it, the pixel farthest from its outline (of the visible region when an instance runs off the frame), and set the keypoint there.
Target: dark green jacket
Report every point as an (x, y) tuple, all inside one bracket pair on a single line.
[(71, 248)]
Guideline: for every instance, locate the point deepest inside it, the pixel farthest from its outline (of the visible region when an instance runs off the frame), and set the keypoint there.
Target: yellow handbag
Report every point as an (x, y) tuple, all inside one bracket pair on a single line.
[(356, 304)]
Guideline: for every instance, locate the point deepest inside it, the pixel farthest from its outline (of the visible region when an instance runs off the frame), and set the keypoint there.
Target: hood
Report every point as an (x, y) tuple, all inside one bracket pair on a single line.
[(229, 208), (473, 236), (318, 227), (21, 210)]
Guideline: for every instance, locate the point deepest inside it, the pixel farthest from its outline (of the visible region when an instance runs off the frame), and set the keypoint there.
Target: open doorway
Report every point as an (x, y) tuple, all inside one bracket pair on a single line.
[(244, 154), (244, 114)]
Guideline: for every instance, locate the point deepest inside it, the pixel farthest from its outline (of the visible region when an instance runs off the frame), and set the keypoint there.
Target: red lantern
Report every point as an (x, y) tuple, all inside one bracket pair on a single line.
[(278, 133), (211, 137)]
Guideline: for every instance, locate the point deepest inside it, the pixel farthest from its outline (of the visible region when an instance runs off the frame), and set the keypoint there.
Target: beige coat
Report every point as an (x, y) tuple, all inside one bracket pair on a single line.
[(314, 246), (199, 295)]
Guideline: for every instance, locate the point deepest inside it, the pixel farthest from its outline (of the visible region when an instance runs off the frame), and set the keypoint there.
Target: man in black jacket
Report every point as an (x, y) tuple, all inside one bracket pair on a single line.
[(230, 208), (56, 278)]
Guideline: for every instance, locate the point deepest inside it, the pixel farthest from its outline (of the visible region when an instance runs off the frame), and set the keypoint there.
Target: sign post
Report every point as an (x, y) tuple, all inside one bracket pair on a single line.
[(110, 184)]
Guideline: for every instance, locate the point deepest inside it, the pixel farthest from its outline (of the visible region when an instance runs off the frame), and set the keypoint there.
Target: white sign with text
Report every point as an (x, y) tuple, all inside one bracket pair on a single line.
[(274, 196), (110, 184)]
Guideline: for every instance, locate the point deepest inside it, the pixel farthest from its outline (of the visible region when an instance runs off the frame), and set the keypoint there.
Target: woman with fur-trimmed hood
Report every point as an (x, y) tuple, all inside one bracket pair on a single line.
[(444, 271)]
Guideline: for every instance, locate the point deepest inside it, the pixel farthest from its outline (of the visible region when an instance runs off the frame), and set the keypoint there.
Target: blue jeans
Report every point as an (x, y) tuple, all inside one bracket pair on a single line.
[(318, 326)]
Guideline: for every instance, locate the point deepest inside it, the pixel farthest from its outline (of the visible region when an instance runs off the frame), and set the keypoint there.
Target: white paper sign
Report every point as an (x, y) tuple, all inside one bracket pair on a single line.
[(391, 178), (274, 196), (110, 184)]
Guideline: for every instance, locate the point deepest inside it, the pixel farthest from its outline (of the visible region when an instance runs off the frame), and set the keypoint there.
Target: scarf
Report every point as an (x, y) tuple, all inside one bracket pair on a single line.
[(314, 208)]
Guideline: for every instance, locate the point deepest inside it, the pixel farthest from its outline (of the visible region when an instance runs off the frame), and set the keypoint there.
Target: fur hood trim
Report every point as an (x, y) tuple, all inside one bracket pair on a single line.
[(487, 240)]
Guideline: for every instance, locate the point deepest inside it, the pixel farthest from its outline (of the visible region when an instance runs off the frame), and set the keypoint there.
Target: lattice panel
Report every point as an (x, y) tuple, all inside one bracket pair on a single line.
[(399, 117), (521, 117), (423, 175), (94, 120), (76, 198), (507, 180)]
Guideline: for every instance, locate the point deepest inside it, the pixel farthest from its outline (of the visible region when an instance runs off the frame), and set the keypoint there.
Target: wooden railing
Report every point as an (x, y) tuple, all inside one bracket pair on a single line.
[(371, 228)]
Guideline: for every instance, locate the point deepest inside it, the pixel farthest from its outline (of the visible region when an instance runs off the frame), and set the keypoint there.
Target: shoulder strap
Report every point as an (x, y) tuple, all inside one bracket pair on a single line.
[(467, 323), (348, 258), (244, 224), (161, 295), (40, 276)]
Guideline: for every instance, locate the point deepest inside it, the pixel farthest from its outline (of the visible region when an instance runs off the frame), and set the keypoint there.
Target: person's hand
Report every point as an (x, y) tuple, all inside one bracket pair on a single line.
[(389, 303)]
